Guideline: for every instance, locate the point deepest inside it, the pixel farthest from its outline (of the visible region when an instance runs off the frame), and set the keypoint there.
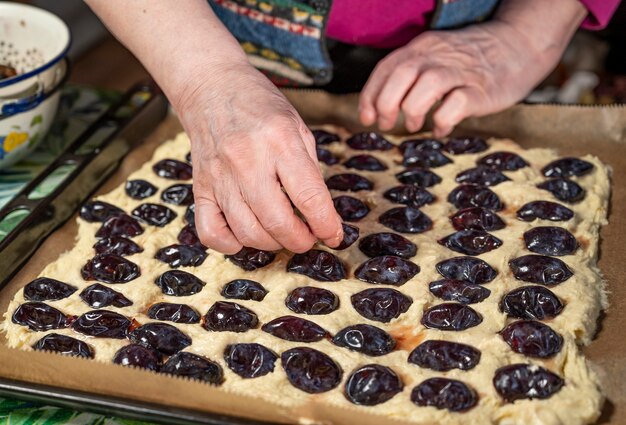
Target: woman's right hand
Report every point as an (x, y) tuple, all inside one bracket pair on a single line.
[(247, 141)]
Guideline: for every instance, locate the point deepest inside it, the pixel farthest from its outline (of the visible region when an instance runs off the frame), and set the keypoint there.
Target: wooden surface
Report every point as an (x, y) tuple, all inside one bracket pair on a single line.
[(108, 65)]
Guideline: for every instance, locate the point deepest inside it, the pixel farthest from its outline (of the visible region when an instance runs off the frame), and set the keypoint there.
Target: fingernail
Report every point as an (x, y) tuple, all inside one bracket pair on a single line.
[(334, 242), (337, 239)]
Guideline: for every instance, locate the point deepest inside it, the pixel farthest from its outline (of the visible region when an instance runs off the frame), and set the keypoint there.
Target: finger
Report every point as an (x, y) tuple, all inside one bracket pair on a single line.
[(431, 86), (369, 94), (274, 211), (458, 105), (395, 89), (309, 141), (303, 182), (243, 222), (212, 228)]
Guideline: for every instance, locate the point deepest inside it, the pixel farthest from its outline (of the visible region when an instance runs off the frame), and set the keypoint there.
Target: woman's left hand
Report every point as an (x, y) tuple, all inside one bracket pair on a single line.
[(473, 71)]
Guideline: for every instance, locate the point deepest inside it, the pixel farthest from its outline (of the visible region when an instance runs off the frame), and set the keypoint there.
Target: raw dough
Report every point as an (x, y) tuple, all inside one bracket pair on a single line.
[(578, 402)]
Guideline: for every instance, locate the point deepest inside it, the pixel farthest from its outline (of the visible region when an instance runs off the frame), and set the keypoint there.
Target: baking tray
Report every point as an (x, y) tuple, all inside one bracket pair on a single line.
[(109, 406), (92, 157), (140, 394)]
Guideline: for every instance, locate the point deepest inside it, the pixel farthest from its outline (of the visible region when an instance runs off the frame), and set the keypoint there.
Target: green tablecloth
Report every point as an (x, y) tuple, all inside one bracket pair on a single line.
[(16, 412), (79, 107)]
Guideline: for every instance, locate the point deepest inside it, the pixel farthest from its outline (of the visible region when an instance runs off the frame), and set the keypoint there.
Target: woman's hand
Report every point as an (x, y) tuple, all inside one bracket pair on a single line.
[(246, 141), (474, 71)]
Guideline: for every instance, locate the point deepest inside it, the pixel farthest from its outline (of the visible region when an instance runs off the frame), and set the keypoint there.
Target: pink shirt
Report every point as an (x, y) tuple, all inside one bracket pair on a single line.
[(374, 23)]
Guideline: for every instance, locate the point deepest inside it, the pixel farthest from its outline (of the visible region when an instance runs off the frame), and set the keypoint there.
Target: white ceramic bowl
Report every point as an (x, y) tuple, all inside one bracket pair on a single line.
[(34, 42), (20, 133)]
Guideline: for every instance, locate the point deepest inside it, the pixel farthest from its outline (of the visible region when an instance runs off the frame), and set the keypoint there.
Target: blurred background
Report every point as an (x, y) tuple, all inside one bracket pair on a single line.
[(593, 69)]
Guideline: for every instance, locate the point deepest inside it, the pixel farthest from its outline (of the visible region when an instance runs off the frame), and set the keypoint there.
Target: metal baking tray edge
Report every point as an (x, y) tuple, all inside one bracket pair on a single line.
[(113, 406)]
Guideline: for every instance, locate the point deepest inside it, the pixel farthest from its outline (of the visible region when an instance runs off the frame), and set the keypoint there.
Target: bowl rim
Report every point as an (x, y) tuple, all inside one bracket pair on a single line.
[(9, 81), (55, 89)]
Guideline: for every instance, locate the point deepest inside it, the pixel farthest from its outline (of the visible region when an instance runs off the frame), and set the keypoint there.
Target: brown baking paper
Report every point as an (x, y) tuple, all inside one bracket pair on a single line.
[(572, 130)]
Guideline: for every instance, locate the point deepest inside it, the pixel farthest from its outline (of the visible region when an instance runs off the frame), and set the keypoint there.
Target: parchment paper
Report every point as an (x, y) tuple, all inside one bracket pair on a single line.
[(571, 129)]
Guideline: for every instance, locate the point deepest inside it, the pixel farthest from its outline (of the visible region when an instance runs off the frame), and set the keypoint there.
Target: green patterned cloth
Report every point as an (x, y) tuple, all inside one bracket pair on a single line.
[(79, 107), (16, 412)]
